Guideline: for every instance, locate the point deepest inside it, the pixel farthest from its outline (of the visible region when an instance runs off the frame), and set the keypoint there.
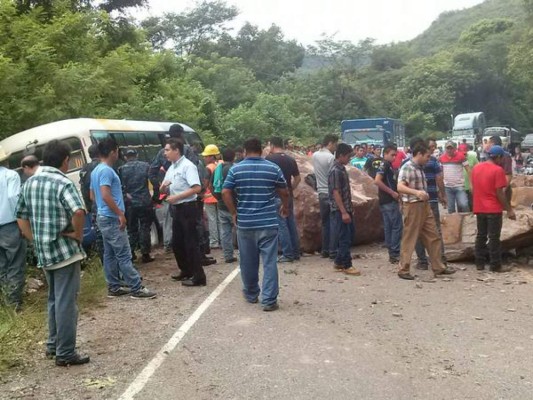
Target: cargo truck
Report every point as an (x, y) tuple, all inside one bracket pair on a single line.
[(377, 131)]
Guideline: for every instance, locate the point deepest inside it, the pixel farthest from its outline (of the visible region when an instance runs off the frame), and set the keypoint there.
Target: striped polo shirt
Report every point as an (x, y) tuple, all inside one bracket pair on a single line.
[(452, 168), (255, 180)]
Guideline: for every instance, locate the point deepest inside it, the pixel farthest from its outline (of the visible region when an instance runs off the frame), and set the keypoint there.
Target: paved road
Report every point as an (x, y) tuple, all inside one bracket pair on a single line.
[(374, 337), (368, 337)]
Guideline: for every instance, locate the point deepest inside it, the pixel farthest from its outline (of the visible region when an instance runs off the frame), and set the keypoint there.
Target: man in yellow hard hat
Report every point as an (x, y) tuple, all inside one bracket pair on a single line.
[(211, 154)]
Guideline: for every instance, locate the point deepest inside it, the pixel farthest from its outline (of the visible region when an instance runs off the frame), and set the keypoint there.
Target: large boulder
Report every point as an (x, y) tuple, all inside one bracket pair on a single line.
[(368, 221), (459, 233), (522, 186)]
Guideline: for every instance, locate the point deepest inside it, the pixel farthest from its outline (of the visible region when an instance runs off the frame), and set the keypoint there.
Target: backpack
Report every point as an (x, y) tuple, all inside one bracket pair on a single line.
[(218, 178)]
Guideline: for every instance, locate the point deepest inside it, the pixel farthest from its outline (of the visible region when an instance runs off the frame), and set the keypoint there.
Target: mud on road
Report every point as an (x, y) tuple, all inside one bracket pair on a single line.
[(469, 336)]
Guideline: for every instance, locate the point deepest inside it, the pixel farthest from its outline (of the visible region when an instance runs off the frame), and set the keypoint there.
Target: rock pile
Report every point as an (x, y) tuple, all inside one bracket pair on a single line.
[(368, 221)]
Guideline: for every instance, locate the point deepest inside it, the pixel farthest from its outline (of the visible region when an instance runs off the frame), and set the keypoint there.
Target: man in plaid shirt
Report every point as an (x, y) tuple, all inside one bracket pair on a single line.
[(50, 213), (418, 219)]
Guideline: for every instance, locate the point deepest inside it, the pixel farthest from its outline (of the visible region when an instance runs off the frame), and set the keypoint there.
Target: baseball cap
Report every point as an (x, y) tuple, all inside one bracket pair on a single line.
[(496, 151), (450, 143), (131, 152)]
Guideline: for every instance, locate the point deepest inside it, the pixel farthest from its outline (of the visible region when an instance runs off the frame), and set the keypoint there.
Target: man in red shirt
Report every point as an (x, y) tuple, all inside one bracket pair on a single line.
[(488, 185), (463, 147)]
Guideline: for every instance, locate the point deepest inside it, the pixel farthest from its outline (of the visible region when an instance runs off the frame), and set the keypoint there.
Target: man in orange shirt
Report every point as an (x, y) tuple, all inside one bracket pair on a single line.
[(211, 154)]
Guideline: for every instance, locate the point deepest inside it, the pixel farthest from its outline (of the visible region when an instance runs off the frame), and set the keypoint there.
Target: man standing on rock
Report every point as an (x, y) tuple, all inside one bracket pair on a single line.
[(51, 214), (488, 186), (418, 219), (288, 233), (340, 195), (389, 203), (257, 182), (322, 162)]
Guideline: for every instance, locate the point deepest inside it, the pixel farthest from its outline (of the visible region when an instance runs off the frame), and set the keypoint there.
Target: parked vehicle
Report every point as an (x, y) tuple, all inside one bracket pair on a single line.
[(470, 127), (144, 136), (380, 131), (527, 143), (510, 136)]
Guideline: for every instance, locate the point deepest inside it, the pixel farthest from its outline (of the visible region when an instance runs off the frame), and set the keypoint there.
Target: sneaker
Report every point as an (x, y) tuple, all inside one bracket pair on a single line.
[(208, 261), (143, 293), (422, 266), (271, 307), (147, 258), (352, 271), (253, 301), (446, 271), (284, 259), (501, 269), (406, 276), (338, 268), (77, 359), (117, 293)]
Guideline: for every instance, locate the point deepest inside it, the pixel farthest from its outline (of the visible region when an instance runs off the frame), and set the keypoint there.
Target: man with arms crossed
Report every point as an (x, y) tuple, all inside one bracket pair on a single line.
[(257, 182), (50, 213)]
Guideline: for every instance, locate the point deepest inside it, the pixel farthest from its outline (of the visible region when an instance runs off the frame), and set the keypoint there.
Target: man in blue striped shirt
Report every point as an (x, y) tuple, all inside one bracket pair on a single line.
[(257, 181)]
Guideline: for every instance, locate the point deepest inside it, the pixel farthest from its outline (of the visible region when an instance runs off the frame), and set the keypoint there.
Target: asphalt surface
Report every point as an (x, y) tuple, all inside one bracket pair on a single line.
[(369, 337)]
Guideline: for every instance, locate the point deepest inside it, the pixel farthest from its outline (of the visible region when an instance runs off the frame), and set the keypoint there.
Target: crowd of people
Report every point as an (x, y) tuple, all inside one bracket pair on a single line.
[(240, 198)]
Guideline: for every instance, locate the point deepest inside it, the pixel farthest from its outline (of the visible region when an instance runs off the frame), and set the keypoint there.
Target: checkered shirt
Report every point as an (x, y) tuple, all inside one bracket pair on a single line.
[(48, 200), (339, 179), (413, 176)]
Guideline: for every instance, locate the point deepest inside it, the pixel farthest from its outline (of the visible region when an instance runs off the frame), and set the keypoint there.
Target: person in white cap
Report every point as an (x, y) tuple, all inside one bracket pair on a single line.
[(12, 244)]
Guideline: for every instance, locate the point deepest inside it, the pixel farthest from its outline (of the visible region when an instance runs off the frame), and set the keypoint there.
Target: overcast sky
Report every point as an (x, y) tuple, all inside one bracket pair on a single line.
[(306, 20)]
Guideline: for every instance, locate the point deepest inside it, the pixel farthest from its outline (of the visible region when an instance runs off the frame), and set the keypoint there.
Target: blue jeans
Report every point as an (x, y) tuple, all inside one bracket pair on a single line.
[(288, 233), (252, 244), (117, 256), (12, 263), (344, 234), (457, 194), (225, 221), (393, 226), (63, 288)]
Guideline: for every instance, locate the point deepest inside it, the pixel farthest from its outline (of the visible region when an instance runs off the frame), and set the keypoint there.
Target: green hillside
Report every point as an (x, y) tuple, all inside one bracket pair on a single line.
[(446, 29)]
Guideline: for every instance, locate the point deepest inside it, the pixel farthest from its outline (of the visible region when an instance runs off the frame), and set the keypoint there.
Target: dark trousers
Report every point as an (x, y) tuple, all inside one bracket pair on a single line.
[(203, 232), (63, 288), (489, 226), (344, 234), (185, 243), (325, 214), (140, 221)]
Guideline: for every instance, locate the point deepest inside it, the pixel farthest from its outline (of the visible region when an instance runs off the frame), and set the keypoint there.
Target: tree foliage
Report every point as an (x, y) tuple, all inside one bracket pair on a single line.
[(71, 58)]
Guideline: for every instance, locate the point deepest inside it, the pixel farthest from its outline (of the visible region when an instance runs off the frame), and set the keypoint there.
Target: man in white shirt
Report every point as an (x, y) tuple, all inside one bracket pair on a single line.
[(322, 162), (182, 183), (12, 244)]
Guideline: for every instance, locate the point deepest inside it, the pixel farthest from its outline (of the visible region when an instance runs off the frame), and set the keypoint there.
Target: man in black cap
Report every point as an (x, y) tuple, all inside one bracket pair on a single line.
[(139, 214)]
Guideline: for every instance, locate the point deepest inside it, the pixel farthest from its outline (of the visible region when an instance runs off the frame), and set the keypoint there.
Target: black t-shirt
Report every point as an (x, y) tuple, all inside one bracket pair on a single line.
[(389, 180), (287, 164)]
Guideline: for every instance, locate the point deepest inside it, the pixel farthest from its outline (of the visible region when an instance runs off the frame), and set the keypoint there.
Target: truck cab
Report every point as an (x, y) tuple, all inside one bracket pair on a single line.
[(377, 131)]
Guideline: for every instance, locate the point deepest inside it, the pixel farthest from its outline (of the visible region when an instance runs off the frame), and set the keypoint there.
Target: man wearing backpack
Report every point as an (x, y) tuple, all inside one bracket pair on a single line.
[(225, 218)]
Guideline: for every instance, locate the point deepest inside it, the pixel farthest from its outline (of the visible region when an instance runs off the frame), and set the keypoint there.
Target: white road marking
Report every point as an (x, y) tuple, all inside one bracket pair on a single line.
[(142, 379)]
